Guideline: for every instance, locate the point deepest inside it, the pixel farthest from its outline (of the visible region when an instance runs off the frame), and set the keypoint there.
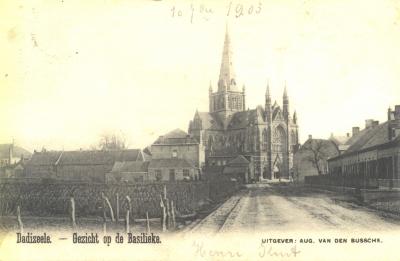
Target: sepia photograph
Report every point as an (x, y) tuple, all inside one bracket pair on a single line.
[(199, 130)]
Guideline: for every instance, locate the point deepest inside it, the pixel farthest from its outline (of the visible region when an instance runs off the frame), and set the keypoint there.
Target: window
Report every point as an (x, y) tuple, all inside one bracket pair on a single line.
[(172, 175), (158, 175), (185, 173), (174, 153)]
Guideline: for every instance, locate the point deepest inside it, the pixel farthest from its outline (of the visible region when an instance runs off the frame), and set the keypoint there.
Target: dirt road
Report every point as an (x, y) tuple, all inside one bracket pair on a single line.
[(278, 208)]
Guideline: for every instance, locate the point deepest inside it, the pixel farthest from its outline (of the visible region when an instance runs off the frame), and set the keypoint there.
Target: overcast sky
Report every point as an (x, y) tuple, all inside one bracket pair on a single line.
[(72, 70)]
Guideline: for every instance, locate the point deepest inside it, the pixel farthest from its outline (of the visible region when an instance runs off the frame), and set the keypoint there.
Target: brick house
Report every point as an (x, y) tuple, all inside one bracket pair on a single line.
[(176, 156)]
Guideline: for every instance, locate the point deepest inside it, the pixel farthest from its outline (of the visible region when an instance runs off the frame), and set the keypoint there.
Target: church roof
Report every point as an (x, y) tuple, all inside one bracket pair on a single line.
[(242, 119), (209, 121)]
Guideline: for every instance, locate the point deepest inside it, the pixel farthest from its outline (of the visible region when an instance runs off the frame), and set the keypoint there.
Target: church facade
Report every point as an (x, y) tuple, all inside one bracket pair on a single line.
[(266, 136)]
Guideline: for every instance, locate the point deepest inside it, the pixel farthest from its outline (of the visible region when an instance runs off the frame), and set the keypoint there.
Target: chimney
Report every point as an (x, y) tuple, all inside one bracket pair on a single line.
[(347, 135), (375, 123), (369, 123), (355, 130), (310, 137), (397, 112)]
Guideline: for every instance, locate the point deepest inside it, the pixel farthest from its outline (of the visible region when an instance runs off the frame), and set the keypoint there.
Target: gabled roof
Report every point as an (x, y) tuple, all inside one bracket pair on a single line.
[(239, 160), (369, 137), (339, 140), (90, 157), (16, 151), (130, 166), (170, 163)]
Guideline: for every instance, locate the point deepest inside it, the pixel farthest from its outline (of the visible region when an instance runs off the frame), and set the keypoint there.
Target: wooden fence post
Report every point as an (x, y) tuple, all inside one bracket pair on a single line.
[(164, 215), (168, 216), (73, 212), (104, 219), (173, 214), (147, 222), (127, 221), (109, 206), (129, 208), (117, 207), (21, 226)]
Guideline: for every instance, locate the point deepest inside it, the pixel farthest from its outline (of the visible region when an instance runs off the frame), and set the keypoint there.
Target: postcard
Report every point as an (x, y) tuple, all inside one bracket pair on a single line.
[(199, 130)]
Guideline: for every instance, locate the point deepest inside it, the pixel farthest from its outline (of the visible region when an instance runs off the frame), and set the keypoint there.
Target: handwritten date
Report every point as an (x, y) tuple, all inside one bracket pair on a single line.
[(205, 12)]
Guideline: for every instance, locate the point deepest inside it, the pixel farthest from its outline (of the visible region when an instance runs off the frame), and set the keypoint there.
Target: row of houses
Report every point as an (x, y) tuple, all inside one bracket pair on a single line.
[(372, 152), (172, 157)]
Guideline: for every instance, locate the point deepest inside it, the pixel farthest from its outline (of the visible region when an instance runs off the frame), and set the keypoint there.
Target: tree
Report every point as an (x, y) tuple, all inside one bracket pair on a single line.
[(316, 154), (112, 141)]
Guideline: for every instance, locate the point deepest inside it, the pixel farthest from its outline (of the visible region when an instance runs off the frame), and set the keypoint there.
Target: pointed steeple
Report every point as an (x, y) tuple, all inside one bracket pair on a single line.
[(285, 103), (285, 96), (295, 117), (227, 76), (267, 95)]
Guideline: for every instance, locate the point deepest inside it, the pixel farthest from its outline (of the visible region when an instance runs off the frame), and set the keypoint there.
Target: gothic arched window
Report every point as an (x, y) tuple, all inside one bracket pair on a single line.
[(293, 139), (264, 140), (279, 139)]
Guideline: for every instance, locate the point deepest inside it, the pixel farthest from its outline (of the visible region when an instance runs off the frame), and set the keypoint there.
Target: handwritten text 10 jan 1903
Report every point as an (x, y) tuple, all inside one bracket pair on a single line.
[(194, 12)]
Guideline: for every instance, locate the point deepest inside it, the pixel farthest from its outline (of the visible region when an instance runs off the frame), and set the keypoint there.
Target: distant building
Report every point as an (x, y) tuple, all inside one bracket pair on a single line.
[(11, 154), (267, 136), (373, 153), (176, 156), (91, 165), (312, 158), (12, 160)]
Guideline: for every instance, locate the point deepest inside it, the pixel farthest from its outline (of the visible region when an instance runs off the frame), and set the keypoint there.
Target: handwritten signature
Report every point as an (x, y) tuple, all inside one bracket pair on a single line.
[(268, 251), (201, 251)]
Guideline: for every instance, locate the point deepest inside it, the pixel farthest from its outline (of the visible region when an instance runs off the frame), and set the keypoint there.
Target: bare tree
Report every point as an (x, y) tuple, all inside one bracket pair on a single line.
[(112, 141), (316, 154)]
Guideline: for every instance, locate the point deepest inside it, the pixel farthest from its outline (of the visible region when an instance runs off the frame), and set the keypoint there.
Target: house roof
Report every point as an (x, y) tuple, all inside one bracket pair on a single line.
[(130, 166), (239, 160), (169, 163), (92, 157), (176, 136), (16, 151), (339, 140), (369, 137)]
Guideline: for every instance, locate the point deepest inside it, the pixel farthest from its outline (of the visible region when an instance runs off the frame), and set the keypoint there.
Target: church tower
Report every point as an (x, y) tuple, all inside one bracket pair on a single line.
[(228, 99)]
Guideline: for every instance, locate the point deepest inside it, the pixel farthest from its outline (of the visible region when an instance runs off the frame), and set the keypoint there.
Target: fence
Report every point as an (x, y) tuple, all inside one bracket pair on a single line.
[(53, 198)]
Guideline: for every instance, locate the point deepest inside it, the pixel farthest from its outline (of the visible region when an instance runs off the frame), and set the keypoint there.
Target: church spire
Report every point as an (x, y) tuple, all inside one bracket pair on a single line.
[(285, 102), (268, 96), (227, 77)]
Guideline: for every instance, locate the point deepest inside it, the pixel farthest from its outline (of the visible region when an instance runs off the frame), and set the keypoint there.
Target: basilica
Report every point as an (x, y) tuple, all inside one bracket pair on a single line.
[(255, 144)]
